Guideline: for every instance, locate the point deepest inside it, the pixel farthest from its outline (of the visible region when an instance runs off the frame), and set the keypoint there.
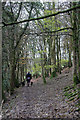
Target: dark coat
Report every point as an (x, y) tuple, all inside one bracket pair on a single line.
[(28, 77)]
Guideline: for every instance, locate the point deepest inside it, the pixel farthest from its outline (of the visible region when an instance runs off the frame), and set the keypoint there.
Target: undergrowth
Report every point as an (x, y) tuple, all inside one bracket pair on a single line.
[(72, 93)]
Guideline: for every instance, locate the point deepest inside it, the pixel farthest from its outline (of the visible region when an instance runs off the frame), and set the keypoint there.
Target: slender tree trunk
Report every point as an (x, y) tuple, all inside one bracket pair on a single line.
[(57, 53), (69, 58), (21, 74), (60, 57), (12, 85), (79, 43), (69, 54), (75, 77), (18, 72), (53, 53), (45, 57), (50, 46), (1, 90)]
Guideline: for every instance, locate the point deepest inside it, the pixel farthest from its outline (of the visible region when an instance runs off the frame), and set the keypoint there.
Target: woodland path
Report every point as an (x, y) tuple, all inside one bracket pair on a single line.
[(41, 101)]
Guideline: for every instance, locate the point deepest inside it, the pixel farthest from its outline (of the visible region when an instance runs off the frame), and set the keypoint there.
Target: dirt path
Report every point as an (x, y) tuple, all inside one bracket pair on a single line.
[(41, 101)]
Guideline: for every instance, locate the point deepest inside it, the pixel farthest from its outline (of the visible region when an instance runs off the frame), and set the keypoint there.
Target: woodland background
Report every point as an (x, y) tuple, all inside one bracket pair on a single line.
[(42, 46)]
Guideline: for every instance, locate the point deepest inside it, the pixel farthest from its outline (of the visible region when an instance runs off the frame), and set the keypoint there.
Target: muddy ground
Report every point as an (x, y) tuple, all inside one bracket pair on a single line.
[(42, 101)]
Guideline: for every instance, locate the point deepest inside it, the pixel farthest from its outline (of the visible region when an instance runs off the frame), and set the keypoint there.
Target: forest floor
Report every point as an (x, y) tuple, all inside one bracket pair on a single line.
[(42, 101)]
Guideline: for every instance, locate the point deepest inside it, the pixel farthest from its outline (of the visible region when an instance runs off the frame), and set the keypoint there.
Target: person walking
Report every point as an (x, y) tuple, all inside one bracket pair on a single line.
[(28, 78)]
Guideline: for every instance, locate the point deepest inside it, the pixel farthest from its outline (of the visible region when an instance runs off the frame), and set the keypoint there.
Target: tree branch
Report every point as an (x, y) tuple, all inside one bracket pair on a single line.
[(40, 34), (59, 12), (66, 28), (24, 28), (20, 6)]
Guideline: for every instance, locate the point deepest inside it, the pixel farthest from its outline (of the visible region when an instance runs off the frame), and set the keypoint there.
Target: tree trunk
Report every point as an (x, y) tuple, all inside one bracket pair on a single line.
[(45, 58), (59, 57), (1, 54), (53, 53), (50, 46), (79, 43), (70, 64), (75, 77), (12, 85), (57, 53)]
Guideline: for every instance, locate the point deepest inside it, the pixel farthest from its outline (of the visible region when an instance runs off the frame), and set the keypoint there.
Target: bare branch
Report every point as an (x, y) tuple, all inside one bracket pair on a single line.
[(20, 6), (59, 12)]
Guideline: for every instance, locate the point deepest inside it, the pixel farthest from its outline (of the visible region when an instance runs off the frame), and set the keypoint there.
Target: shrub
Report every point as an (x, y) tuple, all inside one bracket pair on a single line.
[(36, 70), (44, 80), (75, 79), (36, 74), (53, 74), (64, 63)]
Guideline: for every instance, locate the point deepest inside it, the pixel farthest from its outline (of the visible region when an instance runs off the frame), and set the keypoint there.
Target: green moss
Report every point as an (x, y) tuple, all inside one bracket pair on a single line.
[(70, 92), (69, 88), (72, 98), (66, 87), (72, 95), (69, 95), (66, 94)]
